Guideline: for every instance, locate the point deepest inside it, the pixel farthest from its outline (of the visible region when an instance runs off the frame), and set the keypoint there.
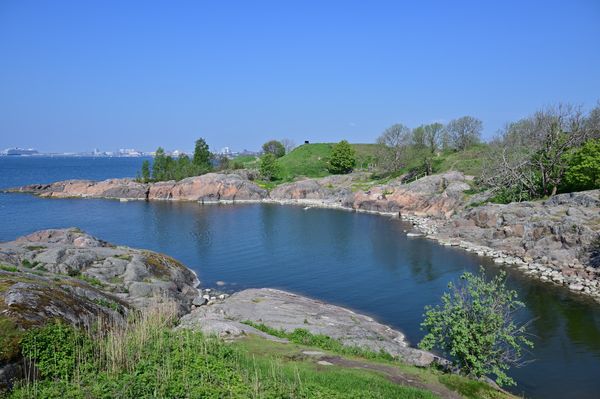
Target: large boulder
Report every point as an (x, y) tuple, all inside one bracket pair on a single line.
[(560, 232), (111, 188), (331, 189)]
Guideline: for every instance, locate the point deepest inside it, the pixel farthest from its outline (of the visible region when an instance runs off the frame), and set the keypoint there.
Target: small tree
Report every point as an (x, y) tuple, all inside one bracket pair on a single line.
[(201, 159), (394, 142), (269, 169), (159, 165), (145, 171), (274, 147), (475, 326), (343, 158)]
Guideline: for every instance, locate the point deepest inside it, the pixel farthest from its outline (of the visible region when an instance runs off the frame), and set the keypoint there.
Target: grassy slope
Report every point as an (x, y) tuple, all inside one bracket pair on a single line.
[(148, 359), (310, 160)]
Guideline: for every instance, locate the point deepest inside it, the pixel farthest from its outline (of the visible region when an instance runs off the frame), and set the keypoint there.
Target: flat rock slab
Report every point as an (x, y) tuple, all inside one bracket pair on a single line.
[(283, 310)]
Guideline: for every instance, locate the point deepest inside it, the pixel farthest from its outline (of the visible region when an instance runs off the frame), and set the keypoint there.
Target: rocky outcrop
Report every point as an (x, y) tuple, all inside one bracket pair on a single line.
[(208, 187), (556, 240), (112, 188), (437, 196), (287, 311), (69, 275), (134, 276)]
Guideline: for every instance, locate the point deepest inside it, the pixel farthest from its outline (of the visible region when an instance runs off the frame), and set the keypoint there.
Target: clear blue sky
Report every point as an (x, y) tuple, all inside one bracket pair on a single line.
[(75, 75)]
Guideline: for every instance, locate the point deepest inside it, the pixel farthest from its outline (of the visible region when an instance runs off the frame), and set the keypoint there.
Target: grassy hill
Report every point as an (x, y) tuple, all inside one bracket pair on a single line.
[(310, 160)]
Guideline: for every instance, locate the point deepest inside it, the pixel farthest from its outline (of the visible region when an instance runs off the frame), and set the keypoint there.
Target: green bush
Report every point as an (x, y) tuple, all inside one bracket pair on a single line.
[(343, 158), (56, 349), (475, 327), (583, 171), (269, 169)]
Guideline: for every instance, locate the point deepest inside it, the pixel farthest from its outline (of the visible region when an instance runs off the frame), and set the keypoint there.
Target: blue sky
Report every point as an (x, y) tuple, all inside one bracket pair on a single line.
[(113, 74)]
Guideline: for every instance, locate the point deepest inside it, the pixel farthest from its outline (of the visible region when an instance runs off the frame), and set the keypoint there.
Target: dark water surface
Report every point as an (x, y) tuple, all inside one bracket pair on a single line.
[(360, 261)]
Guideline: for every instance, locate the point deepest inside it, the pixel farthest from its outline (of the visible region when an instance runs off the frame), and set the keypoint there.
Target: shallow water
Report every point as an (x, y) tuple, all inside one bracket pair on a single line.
[(360, 261)]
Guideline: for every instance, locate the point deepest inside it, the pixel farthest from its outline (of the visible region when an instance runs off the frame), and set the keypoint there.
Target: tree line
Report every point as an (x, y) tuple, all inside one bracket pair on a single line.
[(415, 149), (556, 149), (166, 167)]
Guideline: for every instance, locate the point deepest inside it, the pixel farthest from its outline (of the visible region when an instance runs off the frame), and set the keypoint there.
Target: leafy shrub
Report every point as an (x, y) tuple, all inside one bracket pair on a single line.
[(55, 348), (269, 169), (583, 171), (274, 147), (475, 327)]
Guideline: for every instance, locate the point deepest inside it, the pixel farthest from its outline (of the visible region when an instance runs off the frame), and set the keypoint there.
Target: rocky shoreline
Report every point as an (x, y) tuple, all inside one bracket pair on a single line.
[(68, 275), (555, 241)]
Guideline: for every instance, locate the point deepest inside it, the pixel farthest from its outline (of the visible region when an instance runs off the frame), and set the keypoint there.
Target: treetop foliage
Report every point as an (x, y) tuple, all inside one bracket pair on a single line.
[(164, 167), (268, 167), (274, 147), (343, 158)]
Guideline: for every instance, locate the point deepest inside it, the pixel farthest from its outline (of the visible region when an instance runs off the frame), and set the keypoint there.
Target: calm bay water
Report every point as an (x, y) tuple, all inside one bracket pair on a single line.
[(363, 262)]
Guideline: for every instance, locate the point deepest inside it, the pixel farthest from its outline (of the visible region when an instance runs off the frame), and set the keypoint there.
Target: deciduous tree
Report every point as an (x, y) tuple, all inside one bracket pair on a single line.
[(464, 132), (274, 147), (268, 167), (343, 158)]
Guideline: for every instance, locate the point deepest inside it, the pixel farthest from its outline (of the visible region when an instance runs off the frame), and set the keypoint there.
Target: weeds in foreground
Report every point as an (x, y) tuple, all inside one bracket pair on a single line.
[(146, 358)]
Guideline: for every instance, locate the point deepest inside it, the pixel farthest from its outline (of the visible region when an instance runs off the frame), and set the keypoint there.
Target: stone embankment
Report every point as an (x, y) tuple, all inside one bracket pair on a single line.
[(556, 241)]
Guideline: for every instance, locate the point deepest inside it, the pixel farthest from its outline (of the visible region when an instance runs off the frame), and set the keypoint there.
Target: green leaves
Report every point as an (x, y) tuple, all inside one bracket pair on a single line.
[(343, 158), (269, 169), (583, 172), (474, 325)]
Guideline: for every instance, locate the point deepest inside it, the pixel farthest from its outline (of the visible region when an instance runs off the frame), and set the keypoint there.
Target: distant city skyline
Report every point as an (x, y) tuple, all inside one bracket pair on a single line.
[(82, 75)]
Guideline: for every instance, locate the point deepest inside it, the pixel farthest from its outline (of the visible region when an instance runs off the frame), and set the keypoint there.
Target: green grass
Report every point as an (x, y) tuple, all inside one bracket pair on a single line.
[(246, 160), (148, 359), (302, 336), (310, 160), (469, 162), (9, 268)]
